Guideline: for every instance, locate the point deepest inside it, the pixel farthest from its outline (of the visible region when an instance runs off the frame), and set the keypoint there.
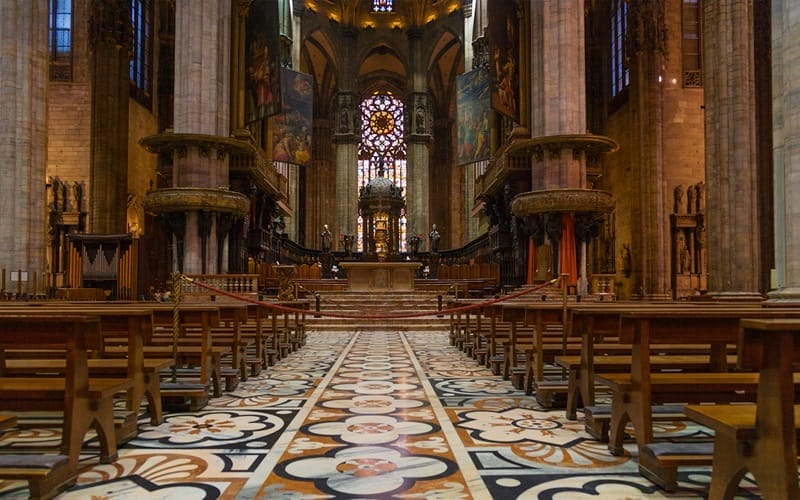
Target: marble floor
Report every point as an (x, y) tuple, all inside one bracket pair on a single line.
[(367, 414)]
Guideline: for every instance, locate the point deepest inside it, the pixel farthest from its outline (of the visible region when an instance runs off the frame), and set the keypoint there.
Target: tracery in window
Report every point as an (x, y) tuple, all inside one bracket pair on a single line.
[(382, 150)]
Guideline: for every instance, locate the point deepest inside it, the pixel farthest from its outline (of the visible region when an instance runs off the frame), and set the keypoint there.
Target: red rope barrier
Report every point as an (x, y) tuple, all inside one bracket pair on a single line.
[(278, 307)]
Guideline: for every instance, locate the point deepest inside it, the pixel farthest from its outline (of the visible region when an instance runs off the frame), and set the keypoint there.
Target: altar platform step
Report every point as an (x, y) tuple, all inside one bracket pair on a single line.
[(363, 307)]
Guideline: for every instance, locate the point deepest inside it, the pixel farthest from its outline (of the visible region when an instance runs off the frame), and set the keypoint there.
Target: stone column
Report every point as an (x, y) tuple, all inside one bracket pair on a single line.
[(650, 245), (559, 142), (346, 136), (734, 259), (201, 108), (319, 206), (23, 141), (200, 203), (558, 90), (418, 138), (110, 42), (786, 152)]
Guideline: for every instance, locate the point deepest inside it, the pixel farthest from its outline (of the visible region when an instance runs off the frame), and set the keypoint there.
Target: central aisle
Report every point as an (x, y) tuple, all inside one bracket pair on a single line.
[(373, 427), (369, 413)]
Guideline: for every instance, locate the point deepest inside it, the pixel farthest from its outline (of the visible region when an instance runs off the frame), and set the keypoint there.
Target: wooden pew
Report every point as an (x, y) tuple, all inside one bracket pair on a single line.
[(203, 317), (634, 397), (133, 322), (85, 402), (596, 325), (762, 439), (47, 475)]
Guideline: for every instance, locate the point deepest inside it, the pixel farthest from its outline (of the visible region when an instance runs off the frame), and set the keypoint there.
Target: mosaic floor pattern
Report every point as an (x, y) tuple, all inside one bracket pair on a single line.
[(367, 414)]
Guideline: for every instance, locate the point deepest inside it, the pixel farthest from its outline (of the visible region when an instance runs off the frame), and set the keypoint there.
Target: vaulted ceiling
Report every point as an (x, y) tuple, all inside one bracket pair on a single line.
[(382, 58)]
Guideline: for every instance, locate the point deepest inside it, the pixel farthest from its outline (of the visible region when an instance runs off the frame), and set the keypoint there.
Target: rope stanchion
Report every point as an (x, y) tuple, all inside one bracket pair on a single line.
[(510, 296)]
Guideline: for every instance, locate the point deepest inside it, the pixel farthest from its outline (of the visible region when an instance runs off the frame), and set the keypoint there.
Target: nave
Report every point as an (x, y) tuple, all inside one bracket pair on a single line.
[(370, 413)]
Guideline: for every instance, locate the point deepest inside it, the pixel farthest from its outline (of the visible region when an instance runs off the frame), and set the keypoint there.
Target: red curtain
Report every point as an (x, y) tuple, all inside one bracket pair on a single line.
[(568, 254), (531, 261)]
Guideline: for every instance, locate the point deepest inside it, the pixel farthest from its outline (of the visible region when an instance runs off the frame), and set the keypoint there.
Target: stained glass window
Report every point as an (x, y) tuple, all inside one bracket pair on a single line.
[(60, 40), (382, 5), (691, 43), (140, 66), (382, 148), (620, 77)]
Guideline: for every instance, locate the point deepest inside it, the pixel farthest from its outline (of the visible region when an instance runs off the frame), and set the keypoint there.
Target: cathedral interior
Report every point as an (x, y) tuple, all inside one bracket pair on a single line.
[(639, 149), (220, 137)]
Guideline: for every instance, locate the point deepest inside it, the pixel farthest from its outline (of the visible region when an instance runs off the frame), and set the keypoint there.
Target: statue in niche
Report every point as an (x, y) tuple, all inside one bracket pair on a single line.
[(691, 196), (55, 185), (77, 194), (627, 262), (344, 121), (420, 118), (680, 203), (701, 197), (686, 260)]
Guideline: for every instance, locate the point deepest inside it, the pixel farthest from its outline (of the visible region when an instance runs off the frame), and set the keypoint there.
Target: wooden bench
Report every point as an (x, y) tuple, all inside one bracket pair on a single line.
[(84, 401), (597, 419), (673, 358), (134, 324), (760, 439), (718, 327), (672, 388), (659, 462), (47, 475), (101, 367)]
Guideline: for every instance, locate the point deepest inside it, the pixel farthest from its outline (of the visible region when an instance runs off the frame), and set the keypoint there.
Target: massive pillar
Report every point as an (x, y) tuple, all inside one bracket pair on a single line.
[(418, 137), (734, 259), (786, 152), (110, 40), (346, 136), (559, 143), (650, 249), (199, 207), (23, 143)]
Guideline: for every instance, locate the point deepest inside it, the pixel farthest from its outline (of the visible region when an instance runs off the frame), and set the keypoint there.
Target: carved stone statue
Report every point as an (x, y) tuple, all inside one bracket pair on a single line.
[(686, 260), (434, 236), (326, 238), (348, 240), (701, 197), (691, 197), (680, 204)]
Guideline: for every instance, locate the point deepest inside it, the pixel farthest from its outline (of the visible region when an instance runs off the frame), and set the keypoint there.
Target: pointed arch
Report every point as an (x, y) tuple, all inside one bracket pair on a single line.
[(318, 58)]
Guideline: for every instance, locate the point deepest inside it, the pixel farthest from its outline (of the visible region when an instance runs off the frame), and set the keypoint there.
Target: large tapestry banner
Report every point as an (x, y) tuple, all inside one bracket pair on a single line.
[(262, 56), (291, 130), (503, 56), (473, 110)]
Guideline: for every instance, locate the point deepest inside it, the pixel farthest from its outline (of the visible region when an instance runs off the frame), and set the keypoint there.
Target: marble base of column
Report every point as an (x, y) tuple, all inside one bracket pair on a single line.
[(784, 297)]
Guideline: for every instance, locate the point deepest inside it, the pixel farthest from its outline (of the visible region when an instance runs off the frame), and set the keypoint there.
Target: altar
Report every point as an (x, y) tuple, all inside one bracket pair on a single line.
[(381, 276)]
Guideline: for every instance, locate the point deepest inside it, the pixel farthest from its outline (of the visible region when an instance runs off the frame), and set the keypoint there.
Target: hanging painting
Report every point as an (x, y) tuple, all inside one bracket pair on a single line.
[(474, 111), (503, 57), (291, 130), (262, 52)]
